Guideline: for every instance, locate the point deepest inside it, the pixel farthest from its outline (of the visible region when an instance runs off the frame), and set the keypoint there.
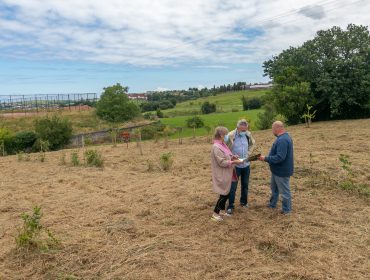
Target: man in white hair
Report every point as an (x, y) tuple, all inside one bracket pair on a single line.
[(241, 143), (281, 164)]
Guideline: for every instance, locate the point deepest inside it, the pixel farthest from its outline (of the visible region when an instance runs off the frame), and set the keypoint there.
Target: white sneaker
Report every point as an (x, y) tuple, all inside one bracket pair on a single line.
[(216, 217), (225, 214)]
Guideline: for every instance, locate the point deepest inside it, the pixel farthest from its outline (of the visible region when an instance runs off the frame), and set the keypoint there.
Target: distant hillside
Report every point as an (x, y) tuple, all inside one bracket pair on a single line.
[(225, 103)]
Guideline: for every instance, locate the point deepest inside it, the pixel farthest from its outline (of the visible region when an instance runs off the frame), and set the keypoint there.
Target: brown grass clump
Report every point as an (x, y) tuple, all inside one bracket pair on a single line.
[(128, 222)]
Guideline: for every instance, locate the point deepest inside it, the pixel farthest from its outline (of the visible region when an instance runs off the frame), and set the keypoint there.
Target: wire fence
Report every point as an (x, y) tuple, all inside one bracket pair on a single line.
[(46, 102)]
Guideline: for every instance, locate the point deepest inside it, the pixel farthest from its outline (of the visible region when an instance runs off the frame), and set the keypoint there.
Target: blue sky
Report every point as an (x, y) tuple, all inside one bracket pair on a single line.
[(82, 46)]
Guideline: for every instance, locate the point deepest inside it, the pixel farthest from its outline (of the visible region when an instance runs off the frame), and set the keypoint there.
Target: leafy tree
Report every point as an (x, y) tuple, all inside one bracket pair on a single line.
[(331, 72), (208, 108), (165, 104), (114, 105), (291, 100), (149, 106)]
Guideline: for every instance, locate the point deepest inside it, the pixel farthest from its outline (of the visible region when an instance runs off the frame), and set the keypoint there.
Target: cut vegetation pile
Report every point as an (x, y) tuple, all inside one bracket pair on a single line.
[(133, 220)]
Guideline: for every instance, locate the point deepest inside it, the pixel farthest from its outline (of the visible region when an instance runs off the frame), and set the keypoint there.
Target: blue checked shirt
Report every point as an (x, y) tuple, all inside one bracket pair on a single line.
[(240, 148)]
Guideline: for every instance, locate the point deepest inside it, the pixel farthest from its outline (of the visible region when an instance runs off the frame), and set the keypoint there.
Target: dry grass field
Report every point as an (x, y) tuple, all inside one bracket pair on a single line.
[(125, 222)]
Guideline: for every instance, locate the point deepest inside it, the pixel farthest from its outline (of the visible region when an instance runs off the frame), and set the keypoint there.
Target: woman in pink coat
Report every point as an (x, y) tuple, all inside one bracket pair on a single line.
[(222, 170)]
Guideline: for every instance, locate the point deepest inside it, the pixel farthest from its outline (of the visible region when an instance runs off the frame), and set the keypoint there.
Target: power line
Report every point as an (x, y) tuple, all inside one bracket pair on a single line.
[(174, 49)]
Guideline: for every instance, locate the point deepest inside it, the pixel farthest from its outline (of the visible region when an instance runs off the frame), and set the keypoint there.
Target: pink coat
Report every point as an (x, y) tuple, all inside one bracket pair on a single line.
[(222, 170)]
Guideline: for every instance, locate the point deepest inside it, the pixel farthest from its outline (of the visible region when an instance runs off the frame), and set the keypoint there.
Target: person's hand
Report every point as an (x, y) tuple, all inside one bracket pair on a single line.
[(234, 157), (236, 161), (262, 158)]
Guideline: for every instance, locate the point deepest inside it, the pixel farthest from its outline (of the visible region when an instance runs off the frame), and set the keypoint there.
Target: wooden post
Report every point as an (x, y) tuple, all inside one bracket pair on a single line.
[(83, 147), (179, 130), (139, 142), (24, 106), (166, 131)]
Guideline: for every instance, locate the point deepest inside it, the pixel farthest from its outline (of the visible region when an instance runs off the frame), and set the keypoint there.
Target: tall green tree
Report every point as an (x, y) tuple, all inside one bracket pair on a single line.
[(114, 105), (331, 72)]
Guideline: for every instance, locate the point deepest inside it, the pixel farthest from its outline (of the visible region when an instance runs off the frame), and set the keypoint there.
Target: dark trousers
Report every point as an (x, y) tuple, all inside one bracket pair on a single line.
[(221, 203), (242, 173)]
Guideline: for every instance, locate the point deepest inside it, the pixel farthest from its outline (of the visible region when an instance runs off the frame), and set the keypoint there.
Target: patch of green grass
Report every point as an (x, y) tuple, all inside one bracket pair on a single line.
[(362, 190), (228, 120), (224, 102)]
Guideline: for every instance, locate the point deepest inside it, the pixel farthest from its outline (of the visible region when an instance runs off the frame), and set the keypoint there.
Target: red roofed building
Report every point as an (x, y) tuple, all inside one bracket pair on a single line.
[(137, 96)]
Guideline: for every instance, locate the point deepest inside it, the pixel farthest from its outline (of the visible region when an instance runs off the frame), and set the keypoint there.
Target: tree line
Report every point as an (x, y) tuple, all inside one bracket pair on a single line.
[(168, 99), (331, 73)]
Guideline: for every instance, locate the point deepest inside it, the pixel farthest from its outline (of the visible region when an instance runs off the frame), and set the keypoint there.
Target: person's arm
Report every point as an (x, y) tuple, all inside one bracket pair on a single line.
[(281, 152), (222, 160), (229, 143), (251, 144)]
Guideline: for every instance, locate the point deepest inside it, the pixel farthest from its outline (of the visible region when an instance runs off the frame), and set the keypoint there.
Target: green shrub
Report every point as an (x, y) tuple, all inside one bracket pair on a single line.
[(159, 113), (195, 121), (14, 143), (151, 131), (75, 161), (57, 131), (93, 158), (149, 116), (208, 108), (6, 141), (251, 103), (89, 140), (24, 141), (43, 147), (166, 104), (265, 119), (166, 161), (31, 234)]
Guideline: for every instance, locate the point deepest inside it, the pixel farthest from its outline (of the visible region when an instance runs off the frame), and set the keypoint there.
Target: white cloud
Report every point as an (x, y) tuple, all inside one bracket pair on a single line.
[(146, 32), (213, 66), (159, 89)]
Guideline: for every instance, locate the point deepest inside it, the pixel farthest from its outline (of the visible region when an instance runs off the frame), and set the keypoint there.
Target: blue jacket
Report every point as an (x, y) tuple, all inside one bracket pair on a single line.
[(280, 157)]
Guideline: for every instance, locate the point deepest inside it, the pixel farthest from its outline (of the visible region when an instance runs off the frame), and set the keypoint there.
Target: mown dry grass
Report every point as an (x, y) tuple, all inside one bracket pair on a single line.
[(125, 222), (82, 121)]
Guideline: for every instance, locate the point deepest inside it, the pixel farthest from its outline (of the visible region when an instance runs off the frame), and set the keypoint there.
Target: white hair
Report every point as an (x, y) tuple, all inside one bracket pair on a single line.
[(242, 122)]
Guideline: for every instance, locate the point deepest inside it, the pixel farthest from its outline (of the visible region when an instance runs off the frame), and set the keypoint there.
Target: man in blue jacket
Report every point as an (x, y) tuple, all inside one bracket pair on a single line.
[(281, 164)]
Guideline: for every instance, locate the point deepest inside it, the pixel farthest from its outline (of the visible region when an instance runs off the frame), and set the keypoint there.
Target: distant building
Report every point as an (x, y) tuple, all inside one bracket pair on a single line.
[(137, 96), (260, 86)]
